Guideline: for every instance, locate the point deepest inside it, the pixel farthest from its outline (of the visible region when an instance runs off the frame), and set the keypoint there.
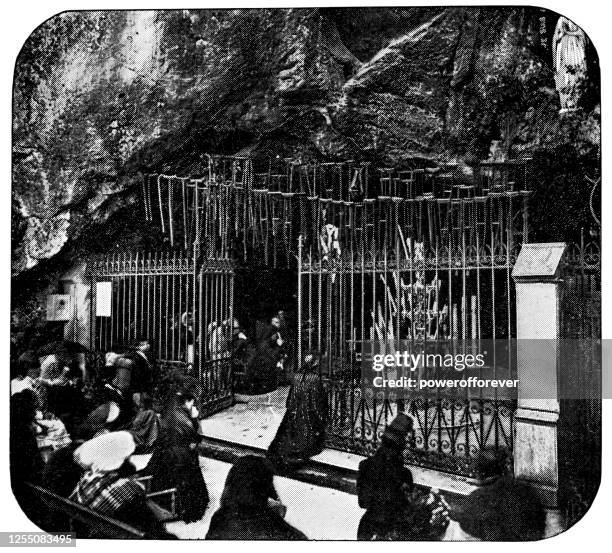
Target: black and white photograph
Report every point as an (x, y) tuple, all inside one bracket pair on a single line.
[(306, 273)]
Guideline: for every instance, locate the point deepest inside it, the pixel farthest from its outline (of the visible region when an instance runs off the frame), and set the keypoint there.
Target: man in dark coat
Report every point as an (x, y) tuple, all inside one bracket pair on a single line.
[(262, 372), (250, 509), (143, 372)]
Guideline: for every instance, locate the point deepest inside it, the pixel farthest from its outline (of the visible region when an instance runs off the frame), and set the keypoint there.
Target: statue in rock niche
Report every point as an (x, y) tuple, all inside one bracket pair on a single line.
[(569, 57)]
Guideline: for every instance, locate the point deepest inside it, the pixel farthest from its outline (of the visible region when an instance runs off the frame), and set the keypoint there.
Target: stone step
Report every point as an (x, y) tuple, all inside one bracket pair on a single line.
[(313, 472), (338, 470)]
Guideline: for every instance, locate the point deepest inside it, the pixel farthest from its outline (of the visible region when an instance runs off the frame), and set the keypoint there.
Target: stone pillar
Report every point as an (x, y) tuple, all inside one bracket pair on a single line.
[(536, 461)]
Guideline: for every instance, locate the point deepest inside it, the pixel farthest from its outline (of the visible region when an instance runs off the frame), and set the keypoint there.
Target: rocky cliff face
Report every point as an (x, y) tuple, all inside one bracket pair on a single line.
[(102, 96)]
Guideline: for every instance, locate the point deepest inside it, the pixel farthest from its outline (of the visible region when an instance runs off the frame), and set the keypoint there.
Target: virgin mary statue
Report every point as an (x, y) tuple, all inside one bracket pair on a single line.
[(569, 56)]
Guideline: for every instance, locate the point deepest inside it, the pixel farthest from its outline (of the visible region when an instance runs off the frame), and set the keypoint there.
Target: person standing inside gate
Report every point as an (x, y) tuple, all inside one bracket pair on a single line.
[(262, 375), (301, 434), (240, 355), (187, 322)]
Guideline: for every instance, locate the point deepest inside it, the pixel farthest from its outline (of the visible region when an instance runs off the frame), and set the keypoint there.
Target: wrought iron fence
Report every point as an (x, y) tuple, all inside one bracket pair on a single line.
[(580, 415), (417, 293), (182, 304), (448, 434)]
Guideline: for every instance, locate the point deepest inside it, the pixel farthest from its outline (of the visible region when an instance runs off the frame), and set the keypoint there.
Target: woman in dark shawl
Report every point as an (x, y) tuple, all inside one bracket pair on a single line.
[(25, 461), (250, 509), (175, 462), (301, 434), (394, 509)]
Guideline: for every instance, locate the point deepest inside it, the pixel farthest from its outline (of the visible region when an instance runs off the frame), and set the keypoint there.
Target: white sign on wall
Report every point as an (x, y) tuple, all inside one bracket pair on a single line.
[(104, 296)]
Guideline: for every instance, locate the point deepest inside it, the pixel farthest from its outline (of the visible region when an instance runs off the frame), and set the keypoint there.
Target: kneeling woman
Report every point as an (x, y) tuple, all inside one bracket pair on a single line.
[(175, 462)]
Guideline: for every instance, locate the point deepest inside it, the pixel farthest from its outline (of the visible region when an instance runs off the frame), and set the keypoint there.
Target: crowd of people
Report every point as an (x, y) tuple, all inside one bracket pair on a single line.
[(86, 453), (79, 445)]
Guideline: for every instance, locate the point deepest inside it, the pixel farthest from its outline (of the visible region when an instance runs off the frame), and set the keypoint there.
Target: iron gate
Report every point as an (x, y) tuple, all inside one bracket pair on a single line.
[(182, 304)]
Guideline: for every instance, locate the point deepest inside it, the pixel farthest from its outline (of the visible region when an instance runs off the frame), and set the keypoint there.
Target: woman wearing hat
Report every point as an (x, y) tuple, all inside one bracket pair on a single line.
[(394, 511), (382, 482), (176, 463)]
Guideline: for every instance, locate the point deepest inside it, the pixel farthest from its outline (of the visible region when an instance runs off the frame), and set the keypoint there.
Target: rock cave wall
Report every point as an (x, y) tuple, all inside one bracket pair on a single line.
[(101, 97)]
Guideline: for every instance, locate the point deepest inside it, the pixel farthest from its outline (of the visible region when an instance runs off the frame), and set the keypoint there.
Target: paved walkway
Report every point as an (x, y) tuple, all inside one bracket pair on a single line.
[(253, 423)]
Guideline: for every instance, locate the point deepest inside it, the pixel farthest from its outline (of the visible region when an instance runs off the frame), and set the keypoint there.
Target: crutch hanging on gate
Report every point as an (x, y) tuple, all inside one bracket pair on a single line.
[(267, 220), (145, 203), (288, 225), (170, 210), (161, 207), (184, 212)]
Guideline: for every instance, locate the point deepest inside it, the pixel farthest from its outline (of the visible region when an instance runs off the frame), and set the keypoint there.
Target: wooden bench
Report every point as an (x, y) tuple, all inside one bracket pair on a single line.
[(162, 503), (83, 517)]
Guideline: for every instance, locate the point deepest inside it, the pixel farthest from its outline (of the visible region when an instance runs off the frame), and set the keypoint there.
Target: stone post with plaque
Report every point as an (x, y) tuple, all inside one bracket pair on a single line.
[(537, 278)]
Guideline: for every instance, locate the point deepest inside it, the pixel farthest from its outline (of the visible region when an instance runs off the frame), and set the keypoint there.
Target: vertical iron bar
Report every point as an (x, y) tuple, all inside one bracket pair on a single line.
[(128, 269), (200, 338), (299, 305), (148, 312), (181, 353), (173, 311), (231, 317), (310, 319)]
